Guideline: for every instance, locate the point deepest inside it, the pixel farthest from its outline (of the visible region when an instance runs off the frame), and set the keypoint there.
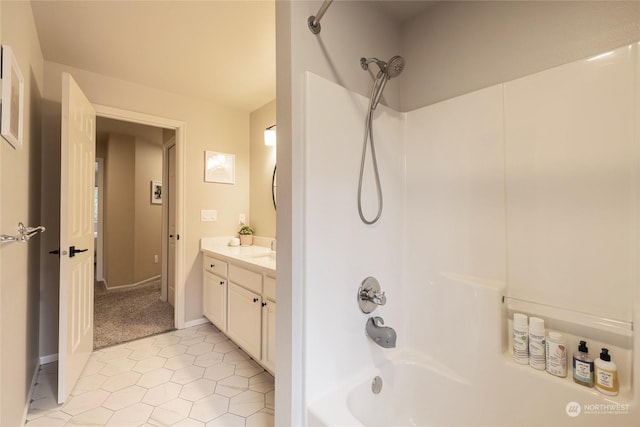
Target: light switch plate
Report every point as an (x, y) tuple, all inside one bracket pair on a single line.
[(208, 215)]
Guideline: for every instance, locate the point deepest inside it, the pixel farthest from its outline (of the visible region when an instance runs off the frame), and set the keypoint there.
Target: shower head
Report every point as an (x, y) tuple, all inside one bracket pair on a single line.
[(392, 68), (395, 66), (387, 71)]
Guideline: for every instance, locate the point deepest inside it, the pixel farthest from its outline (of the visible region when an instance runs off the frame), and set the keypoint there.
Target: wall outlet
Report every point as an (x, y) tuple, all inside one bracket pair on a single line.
[(155, 259), (208, 215), (242, 219)]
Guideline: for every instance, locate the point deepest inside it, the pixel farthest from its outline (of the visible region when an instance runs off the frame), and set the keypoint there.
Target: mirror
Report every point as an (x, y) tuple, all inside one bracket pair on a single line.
[(273, 187)]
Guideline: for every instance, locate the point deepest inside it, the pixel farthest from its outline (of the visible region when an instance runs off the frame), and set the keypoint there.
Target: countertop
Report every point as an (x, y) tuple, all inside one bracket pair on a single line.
[(258, 258)]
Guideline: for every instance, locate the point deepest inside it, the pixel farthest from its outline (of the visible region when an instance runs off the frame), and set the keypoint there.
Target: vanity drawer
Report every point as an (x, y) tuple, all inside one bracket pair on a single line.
[(270, 288), (246, 278), (214, 265)]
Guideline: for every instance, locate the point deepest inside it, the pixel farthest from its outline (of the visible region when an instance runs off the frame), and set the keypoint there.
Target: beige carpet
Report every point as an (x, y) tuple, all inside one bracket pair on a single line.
[(122, 316)]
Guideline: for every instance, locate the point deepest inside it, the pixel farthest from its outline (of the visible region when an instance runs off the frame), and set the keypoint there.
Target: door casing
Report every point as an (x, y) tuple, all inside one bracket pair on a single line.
[(180, 136)]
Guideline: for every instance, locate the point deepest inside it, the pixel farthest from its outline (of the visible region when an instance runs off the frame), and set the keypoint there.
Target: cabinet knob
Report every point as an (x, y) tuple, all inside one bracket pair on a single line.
[(222, 282), (255, 300), (264, 304), (213, 265)]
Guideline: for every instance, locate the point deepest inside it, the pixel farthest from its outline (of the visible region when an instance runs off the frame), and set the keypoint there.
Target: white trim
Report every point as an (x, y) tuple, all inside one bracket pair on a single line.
[(100, 239), (134, 285), (32, 388), (181, 162), (49, 358), (196, 322)]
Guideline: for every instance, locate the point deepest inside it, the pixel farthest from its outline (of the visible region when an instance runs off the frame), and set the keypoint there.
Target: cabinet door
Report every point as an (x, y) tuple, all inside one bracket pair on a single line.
[(214, 301), (269, 335), (245, 318)]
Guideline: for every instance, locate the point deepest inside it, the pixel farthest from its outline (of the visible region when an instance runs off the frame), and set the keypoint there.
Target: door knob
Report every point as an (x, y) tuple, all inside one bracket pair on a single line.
[(73, 251)]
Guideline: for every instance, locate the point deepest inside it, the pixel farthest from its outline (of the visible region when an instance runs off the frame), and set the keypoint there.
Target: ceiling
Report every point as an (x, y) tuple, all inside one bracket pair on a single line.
[(222, 51)]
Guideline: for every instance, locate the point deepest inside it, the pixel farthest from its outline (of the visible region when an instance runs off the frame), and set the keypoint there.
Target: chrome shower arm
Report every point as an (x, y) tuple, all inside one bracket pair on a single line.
[(314, 21)]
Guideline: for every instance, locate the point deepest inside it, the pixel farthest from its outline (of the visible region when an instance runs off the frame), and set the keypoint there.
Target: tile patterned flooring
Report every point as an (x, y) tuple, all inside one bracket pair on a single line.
[(189, 377)]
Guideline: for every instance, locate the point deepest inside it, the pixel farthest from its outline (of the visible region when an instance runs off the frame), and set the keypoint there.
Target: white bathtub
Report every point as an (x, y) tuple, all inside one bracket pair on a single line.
[(418, 392)]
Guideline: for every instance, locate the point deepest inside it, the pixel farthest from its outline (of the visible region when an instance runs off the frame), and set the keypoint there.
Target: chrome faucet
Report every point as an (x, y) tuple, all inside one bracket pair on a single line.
[(382, 335), (369, 295)]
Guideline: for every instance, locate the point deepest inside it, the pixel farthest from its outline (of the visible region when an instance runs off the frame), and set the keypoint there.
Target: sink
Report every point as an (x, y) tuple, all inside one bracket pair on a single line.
[(270, 256)]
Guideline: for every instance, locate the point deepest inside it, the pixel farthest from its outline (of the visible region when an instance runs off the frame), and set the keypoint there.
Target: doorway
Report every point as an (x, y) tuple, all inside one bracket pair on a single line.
[(173, 136), (128, 221)]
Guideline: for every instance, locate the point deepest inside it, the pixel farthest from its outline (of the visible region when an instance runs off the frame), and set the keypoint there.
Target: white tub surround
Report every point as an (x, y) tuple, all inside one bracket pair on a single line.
[(520, 197), (239, 295)]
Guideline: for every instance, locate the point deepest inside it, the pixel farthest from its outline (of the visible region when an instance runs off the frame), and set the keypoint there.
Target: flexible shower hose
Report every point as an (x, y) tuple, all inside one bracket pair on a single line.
[(368, 137)]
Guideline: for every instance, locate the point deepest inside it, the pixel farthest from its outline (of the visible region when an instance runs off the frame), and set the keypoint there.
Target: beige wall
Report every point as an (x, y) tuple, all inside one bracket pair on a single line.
[(456, 47), (148, 217), (207, 126), (119, 210), (263, 159), (20, 201), (132, 225)]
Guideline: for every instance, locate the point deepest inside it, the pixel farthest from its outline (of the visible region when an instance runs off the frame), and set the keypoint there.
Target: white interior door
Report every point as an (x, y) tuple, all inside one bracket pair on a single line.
[(171, 253), (76, 235)]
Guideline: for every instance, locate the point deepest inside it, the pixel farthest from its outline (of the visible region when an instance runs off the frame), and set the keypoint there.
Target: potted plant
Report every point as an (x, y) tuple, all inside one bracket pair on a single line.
[(246, 235)]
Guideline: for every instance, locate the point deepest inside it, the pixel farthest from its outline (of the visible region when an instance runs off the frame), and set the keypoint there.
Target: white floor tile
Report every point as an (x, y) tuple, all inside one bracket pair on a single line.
[(198, 389), (209, 408), (228, 420), (162, 393), (84, 402), (123, 398), (187, 378), (246, 403), (120, 381), (171, 412), (155, 377), (131, 416), (232, 386), (187, 374), (94, 417)]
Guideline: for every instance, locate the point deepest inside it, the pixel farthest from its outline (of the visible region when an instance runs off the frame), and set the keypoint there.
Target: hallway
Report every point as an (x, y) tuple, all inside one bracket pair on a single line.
[(188, 377)]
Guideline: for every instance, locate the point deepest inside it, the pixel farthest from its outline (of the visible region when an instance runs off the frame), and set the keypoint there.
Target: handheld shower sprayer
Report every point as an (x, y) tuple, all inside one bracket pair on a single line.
[(388, 70)]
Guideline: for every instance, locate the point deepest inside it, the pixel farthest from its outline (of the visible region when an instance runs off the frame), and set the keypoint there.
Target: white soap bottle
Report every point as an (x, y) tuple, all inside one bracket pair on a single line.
[(537, 344), (520, 338), (606, 375), (556, 354)]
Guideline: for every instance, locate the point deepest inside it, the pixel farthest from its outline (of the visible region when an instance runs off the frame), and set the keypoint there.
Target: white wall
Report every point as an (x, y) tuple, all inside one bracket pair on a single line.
[(208, 127), (20, 202), (350, 31), (456, 47), (340, 250)]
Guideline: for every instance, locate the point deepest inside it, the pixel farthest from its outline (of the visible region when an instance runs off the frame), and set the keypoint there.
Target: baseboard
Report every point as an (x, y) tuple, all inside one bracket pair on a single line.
[(196, 322), (30, 395), (48, 359), (133, 285)]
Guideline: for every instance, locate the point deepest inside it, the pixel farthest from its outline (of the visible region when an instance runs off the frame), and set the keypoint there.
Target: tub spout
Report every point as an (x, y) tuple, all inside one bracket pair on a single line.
[(382, 335)]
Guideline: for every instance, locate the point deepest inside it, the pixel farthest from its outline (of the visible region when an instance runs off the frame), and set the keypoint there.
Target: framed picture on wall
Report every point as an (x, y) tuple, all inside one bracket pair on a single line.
[(219, 167), (11, 98), (156, 192)]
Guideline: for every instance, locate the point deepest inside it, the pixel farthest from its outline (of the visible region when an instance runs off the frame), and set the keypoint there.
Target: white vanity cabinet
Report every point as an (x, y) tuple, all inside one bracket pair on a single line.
[(244, 321), (214, 285), (239, 299)]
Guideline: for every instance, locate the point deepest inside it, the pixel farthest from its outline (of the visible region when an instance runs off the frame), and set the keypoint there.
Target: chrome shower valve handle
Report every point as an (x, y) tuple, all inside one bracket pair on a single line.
[(374, 297), (369, 295)]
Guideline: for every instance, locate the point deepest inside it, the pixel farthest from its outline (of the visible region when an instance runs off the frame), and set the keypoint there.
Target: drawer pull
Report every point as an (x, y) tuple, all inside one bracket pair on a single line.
[(222, 282), (213, 265), (255, 300)]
